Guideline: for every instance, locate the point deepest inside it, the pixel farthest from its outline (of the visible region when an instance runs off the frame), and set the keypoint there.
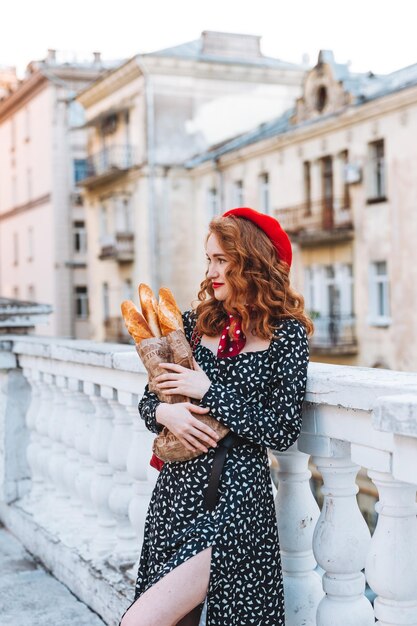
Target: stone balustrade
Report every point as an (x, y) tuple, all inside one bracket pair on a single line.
[(75, 480)]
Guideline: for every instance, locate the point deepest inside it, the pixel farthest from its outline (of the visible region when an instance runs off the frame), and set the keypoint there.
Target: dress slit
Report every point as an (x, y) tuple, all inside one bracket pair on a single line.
[(191, 618)]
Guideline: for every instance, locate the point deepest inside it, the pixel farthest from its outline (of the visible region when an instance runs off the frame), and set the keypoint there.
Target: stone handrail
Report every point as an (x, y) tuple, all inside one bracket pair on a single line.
[(80, 478)]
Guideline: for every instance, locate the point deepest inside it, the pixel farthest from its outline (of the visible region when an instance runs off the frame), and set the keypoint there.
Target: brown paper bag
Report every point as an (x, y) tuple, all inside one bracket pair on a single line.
[(174, 348)]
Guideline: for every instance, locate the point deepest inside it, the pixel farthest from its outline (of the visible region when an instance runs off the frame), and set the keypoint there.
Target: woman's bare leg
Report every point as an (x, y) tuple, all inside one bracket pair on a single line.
[(174, 595)]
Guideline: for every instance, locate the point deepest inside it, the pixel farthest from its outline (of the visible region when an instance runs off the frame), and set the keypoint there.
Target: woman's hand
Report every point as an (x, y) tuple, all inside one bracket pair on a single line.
[(179, 419), (182, 381)]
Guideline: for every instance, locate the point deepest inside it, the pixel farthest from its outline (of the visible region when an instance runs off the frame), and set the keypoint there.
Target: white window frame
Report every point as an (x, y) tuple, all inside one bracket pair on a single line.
[(80, 234), (212, 202), (377, 182), (105, 291), (238, 193), (81, 313), (264, 193), (379, 288), (15, 249)]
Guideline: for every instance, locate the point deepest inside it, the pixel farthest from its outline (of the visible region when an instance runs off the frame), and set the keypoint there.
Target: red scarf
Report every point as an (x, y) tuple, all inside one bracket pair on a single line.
[(232, 338), (232, 341)]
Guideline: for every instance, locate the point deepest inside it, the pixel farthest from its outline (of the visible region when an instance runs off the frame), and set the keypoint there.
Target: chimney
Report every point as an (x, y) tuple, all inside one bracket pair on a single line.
[(97, 57), (231, 45)]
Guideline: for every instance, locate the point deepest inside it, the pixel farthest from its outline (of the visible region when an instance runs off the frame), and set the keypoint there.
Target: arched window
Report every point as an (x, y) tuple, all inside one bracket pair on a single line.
[(321, 98)]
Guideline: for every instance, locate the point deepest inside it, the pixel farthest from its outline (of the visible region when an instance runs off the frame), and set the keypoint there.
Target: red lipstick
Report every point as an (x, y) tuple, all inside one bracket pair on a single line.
[(216, 285)]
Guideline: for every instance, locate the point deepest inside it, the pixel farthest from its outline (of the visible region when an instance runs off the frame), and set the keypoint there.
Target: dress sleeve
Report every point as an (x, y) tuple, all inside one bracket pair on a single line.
[(147, 409), (277, 422), (149, 401)]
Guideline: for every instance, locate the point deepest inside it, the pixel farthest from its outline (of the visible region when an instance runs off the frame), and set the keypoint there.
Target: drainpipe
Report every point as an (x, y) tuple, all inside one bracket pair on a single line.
[(154, 258)]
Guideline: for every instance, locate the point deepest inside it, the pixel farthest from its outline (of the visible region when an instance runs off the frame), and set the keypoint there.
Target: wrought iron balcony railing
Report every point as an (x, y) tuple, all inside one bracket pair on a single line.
[(318, 221), (106, 164), (334, 334), (120, 247)]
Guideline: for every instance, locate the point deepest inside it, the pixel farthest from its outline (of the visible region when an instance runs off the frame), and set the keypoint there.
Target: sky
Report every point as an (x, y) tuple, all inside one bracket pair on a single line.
[(377, 35)]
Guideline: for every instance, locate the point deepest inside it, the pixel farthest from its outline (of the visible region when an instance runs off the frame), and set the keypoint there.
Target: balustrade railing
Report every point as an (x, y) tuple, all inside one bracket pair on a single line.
[(88, 453)]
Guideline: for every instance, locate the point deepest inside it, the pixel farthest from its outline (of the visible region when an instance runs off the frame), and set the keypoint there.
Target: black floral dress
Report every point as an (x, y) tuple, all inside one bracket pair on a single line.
[(259, 396)]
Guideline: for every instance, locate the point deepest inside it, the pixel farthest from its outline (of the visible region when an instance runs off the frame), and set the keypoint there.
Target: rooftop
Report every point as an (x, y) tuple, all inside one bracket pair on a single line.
[(363, 88)]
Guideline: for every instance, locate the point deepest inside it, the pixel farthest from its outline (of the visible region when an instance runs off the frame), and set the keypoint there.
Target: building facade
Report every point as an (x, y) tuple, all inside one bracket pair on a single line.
[(145, 120), (42, 219), (339, 172)]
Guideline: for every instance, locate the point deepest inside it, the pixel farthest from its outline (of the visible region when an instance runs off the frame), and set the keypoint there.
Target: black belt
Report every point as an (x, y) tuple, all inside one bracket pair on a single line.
[(225, 444)]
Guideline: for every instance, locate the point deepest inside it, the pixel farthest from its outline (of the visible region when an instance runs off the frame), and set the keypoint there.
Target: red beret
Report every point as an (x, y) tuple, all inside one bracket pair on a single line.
[(271, 228)]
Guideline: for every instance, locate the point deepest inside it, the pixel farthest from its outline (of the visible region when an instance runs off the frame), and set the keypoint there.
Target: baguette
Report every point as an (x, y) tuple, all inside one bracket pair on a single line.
[(135, 322), (149, 307), (169, 315)]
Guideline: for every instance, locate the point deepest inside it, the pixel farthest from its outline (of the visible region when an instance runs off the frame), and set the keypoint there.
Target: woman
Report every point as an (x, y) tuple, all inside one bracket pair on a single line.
[(251, 358)]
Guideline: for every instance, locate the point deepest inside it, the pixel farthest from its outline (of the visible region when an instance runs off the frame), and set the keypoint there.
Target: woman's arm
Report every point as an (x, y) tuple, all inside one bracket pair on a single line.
[(276, 424)]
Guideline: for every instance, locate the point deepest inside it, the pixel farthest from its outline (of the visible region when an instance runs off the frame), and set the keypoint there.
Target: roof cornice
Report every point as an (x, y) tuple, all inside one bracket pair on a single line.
[(23, 94), (352, 115), (109, 82)]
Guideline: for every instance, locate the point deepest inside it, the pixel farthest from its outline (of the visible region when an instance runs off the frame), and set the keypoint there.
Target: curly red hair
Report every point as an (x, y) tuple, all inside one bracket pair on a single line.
[(260, 291)]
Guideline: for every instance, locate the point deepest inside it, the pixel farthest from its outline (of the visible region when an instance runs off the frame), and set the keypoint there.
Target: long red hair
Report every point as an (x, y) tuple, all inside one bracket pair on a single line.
[(259, 286)]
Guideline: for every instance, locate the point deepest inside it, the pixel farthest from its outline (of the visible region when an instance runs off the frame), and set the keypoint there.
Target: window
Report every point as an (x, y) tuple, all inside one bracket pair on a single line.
[(80, 170), (12, 134), (16, 292), (307, 187), (123, 214), (80, 237), (30, 244), (321, 98), (212, 202), (264, 193), (31, 293), (379, 294), (14, 191), (29, 184), (27, 124), (238, 193), (15, 249), (81, 302), (106, 301), (127, 289), (104, 226), (376, 171), (327, 191), (345, 192)]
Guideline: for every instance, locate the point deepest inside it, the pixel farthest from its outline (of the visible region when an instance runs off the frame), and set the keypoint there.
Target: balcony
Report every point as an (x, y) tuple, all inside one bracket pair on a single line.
[(334, 334), (321, 222), (120, 248), (75, 480), (107, 165)]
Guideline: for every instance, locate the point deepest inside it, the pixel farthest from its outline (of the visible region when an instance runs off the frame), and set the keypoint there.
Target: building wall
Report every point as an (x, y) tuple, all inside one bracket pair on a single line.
[(383, 231), (26, 202), (174, 111)]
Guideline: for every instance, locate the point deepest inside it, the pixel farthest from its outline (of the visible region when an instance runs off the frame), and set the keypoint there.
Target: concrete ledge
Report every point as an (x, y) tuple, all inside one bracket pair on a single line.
[(106, 590)]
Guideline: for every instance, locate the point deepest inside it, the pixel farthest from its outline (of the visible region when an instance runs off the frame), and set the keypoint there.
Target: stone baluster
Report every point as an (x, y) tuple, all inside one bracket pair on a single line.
[(72, 465), (122, 489), (66, 438), (140, 452), (102, 480), (42, 427), (341, 539), (34, 446), (391, 564), (55, 426), (297, 514), (85, 472)]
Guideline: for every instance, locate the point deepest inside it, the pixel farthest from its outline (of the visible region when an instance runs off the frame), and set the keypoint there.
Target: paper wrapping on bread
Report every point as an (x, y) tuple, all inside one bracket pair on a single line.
[(171, 347)]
